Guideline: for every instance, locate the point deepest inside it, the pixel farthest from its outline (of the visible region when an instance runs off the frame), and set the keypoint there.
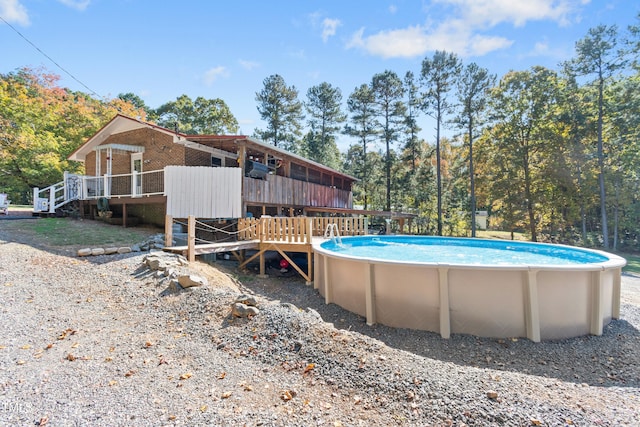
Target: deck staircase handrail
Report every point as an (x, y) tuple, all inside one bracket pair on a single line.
[(83, 187)]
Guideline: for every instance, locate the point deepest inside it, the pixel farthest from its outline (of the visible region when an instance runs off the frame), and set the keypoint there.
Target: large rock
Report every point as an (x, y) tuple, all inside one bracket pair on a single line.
[(84, 252), (247, 300), (191, 280), (242, 310)]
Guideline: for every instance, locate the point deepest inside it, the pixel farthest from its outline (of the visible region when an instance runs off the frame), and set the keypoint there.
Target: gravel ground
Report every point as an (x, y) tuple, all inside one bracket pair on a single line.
[(93, 341)]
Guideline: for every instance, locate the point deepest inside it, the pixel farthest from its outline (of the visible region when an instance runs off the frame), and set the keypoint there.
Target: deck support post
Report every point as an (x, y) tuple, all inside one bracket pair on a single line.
[(191, 238), (168, 230), (531, 306)]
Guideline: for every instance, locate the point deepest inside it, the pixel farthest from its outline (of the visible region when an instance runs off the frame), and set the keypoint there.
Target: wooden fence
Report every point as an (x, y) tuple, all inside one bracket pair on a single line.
[(298, 229)]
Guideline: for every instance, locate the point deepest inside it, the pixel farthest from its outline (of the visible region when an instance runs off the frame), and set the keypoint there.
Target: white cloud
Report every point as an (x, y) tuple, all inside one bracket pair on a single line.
[(14, 11), (393, 9), (465, 29), (211, 75), (76, 4), (557, 51), (488, 13), (329, 27), (404, 43), (248, 65)]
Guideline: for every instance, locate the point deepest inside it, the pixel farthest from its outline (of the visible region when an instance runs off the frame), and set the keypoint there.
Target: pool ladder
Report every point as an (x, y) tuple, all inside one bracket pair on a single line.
[(332, 232)]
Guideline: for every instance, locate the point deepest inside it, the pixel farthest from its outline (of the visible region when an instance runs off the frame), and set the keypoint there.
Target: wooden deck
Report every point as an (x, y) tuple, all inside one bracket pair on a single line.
[(214, 248), (280, 234)]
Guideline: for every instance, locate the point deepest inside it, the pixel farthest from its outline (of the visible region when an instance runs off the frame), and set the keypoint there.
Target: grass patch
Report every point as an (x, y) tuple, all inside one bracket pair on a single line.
[(502, 235), (71, 232), (633, 263)]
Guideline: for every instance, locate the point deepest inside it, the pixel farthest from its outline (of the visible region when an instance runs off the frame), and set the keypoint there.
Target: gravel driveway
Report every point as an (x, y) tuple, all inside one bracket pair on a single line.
[(93, 341)]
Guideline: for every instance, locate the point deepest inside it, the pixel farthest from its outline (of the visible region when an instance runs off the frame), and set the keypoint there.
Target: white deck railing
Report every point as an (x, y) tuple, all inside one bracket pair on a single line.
[(81, 187)]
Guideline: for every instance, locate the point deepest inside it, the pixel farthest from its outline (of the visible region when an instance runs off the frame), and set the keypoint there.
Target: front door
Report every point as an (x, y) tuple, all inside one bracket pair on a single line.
[(136, 170)]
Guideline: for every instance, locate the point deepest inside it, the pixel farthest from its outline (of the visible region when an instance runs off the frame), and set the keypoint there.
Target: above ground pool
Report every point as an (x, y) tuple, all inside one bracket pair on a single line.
[(489, 288)]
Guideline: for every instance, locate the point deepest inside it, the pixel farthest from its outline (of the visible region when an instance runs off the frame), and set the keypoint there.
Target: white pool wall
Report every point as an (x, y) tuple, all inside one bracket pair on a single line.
[(536, 302)]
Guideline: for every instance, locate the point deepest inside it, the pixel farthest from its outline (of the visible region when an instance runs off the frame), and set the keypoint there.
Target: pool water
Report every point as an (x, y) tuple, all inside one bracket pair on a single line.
[(460, 251)]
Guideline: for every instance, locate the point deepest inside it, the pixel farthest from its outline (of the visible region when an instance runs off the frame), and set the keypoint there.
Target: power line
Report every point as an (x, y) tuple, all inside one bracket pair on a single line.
[(51, 59)]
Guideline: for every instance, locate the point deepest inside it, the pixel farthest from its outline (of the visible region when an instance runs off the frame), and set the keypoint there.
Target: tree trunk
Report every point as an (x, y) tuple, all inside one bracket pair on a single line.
[(615, 220), (527, 194), (603, 196), (472, 179), (438, 175)]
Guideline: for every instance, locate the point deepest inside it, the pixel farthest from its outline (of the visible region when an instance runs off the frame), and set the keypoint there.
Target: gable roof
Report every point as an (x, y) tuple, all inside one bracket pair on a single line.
[(121, 123)]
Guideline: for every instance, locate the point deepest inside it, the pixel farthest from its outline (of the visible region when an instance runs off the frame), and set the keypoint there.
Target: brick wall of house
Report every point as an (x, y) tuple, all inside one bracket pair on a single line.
[(159, 151), (197, 158)]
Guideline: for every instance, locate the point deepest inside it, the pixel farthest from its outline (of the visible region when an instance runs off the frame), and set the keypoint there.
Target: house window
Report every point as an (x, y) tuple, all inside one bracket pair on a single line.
[(216, 162)]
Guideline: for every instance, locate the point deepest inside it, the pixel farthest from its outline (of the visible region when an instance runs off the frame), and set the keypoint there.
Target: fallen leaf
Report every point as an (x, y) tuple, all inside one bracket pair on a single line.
[(130, 373), (287, 395), (66, 333), (25, 347), (309, 367), (76, 345), (172, 417), (186, 376), (112, 383), (49, 346), (203, 408), (43, 421), (226, 394), (70, 357), (222, 375), (536, 422), (148, 344), (20, 362)]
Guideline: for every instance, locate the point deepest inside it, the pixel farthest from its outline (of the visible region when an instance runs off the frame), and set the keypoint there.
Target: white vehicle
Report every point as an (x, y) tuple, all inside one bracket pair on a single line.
[(4, 204)]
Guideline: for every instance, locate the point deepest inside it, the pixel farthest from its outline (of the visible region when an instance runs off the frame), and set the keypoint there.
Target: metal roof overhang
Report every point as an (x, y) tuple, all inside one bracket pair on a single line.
[(121, 147)]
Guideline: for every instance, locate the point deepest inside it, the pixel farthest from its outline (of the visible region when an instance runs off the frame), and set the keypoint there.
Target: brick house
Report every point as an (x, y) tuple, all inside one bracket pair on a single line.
[(144, 172)]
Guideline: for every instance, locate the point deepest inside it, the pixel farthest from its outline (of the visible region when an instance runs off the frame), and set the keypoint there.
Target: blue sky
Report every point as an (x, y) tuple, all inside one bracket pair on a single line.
[(225, 49)]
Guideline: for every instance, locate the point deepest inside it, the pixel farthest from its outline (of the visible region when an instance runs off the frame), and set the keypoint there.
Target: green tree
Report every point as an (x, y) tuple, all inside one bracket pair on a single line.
[(138, 103), (279, 106), (41, 124), (413, 102), (389, 91), (523, 104), (598, 54), (438, 75), (362, 126), (474, 85), (202, 116), (324, 118)]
